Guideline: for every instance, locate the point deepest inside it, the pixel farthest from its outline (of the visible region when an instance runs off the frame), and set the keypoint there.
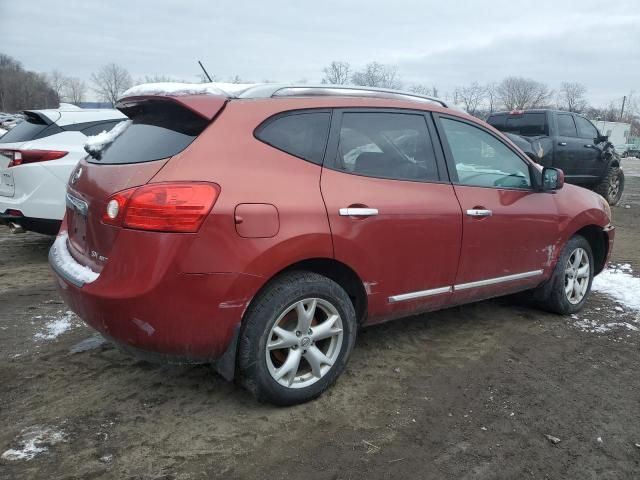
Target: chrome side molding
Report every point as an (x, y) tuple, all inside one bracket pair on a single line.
[(493, 281), (464, 286), (421, 293)]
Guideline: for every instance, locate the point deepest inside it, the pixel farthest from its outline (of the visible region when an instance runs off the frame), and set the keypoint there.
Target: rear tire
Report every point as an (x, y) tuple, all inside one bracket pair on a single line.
[(570, 284), (296, 338), (611, 186)]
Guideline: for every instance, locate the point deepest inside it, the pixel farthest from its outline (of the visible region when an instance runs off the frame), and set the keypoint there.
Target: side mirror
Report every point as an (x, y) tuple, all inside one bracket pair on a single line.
[(601, 138), (552, 179)]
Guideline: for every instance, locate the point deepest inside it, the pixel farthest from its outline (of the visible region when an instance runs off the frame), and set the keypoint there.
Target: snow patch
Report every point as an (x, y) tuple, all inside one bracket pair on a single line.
[(592, 326), (61, 257), (618, 283), (34, 441), (56, 327), (2, 131), (178, 89), (96, 143)]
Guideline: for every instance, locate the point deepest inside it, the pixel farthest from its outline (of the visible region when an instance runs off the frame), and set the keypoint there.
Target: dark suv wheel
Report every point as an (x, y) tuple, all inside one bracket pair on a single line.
[(612, 185), (296, 338)]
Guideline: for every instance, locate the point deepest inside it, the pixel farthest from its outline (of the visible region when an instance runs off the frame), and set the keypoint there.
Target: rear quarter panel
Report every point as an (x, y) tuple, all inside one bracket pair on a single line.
[(249, 171)]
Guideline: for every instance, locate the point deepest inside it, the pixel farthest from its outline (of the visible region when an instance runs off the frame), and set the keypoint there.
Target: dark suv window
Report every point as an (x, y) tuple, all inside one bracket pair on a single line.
[(527, 124), (566, 126), (303, 134), (31, 128), (159, 129), (586, 128), (387, 145)]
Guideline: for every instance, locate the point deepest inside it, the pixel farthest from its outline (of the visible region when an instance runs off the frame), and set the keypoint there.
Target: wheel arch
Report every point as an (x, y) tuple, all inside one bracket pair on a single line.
[(337, 271), (331, 268), (599, 241)]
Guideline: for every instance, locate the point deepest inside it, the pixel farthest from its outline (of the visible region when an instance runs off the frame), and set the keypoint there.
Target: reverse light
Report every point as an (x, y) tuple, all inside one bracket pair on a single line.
[(162, 207), (20, 157)]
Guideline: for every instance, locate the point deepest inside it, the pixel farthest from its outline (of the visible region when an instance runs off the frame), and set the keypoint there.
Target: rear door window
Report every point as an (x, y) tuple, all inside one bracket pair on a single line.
[(302, 134), (386, 145), (566, 126), (158, 129)]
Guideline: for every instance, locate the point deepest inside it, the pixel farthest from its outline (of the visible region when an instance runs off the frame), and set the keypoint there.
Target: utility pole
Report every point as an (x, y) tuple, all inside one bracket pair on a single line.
[(624, 100)]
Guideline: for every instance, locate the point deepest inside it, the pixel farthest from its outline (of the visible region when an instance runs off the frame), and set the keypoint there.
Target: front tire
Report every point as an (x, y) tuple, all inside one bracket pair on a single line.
[(296, 338), (611, 186), (570, 284)]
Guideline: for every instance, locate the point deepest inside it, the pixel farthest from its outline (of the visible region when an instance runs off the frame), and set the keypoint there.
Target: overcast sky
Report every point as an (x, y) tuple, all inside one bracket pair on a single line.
[(432, 42)]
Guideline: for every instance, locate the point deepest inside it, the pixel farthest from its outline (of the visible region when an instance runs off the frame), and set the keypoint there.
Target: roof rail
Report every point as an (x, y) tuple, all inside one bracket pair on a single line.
[(351, 91)]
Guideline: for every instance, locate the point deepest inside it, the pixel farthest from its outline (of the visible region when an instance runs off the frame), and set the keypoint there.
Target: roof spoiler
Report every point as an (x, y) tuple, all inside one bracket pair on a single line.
[(206, 106)]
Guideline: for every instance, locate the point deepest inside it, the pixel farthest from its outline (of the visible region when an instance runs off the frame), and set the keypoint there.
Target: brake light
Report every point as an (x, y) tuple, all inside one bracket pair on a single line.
[(162, 207), (20, 157)]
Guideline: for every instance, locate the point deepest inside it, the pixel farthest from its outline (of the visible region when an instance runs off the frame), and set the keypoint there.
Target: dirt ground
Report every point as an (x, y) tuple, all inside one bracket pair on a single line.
[(466, 393)]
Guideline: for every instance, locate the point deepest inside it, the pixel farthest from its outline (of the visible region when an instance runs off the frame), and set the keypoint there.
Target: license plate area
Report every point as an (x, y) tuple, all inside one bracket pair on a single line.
[(6, 183), (77, 211)]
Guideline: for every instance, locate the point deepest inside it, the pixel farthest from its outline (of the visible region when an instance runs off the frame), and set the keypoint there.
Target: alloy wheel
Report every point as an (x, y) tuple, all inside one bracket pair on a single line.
[(614, 187), (576, 276), (304, 343)]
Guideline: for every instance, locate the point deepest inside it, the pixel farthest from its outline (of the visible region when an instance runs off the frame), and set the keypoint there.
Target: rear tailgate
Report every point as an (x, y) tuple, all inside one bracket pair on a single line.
[(160, 128)]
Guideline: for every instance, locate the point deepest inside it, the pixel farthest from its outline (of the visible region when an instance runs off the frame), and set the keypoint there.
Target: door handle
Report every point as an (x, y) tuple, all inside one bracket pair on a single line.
[(476, 212), (358, 212), (562, 144), (588, 145)]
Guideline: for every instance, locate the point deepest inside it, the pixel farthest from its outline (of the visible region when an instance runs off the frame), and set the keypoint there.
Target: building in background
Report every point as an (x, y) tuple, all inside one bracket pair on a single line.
[(617, 132)]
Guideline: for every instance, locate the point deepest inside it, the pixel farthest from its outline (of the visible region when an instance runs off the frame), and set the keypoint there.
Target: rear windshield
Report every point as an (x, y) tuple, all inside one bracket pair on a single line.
[(31, 128), (159, 129), (528, 124)]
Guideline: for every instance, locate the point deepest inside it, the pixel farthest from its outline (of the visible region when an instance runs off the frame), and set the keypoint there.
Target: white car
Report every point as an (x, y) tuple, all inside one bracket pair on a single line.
[(36, 159)]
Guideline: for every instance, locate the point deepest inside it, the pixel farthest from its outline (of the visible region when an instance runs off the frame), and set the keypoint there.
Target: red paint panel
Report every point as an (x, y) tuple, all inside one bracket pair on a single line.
[(411, 245)]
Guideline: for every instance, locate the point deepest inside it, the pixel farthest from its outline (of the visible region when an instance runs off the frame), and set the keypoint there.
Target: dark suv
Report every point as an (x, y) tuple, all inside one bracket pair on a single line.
[(567, 141)]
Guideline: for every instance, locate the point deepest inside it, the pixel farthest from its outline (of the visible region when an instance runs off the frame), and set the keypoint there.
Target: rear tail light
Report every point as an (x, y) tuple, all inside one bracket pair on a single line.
[(162, 207), (20, 157)]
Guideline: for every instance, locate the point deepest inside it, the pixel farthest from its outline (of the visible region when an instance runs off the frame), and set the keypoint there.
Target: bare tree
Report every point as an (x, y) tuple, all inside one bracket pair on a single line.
[(111, 81), (337, 73), (491, 90), (156, 78), (471, 96), (571, 97), (424, 90), (21, 89), (376, 74), (236, 79), (57, 82), (518, 93), (75, 90)]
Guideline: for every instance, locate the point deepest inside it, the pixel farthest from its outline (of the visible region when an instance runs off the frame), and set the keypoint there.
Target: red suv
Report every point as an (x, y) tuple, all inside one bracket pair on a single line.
[(258, 230)]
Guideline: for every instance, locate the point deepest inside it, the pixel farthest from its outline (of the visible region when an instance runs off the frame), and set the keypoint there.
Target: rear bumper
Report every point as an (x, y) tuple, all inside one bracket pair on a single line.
[(153, 309)]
